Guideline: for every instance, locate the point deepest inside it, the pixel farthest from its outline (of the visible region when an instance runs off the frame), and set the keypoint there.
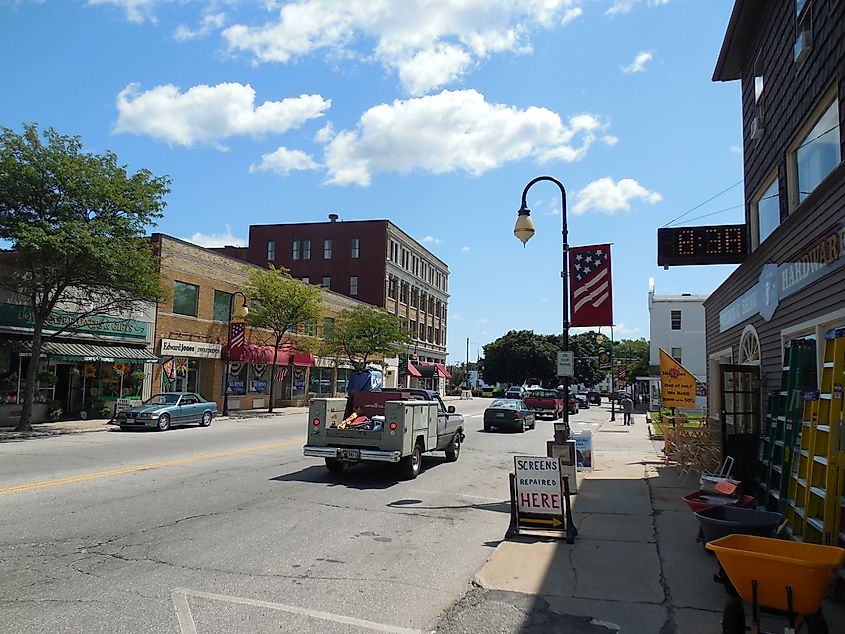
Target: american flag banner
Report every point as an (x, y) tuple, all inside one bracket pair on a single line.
[(590, 296), (280, 373), (237, 332)]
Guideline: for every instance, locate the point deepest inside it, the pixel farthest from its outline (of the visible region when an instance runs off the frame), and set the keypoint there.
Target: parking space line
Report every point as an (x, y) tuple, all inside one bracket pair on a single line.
[(182, 594), (144, 467)]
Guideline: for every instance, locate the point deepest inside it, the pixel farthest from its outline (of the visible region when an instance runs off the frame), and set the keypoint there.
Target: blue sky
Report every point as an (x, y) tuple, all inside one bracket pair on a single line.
[(434, 114)]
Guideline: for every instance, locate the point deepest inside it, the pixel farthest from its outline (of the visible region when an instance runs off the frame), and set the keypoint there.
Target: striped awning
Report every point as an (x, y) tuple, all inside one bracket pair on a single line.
[(86, 352)]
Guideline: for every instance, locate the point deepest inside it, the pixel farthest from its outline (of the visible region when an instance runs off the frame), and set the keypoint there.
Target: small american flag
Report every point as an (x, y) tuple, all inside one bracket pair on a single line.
[(280, 373), (590, 291), (237, 332)]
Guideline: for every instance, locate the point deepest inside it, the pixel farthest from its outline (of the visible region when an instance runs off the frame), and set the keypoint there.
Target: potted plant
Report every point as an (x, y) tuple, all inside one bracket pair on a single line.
[(54, 410), (47, 378)]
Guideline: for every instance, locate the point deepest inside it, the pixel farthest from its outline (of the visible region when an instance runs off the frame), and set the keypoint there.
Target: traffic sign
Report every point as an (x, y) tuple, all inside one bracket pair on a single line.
[(565, 363)]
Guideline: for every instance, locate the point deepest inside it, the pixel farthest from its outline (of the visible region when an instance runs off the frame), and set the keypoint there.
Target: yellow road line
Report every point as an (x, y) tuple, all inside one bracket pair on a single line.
[(144, 467)]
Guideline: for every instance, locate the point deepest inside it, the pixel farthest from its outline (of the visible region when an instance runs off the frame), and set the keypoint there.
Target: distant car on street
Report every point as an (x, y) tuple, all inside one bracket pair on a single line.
[(594, 397), (515, 391), (167, 409), (509, 413), (583, 400)]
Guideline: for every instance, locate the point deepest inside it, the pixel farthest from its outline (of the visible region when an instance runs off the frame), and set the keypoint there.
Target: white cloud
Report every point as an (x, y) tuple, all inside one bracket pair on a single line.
[(610, 140), (607, 196), (210, 22), (217, 239), (465, 249), (431, 240), (136, 10), (621, 7), (207, 114), (735, 149), (325, 133), (283, 161), (484, 321), (638, 65), (453, 131), (427, 43)]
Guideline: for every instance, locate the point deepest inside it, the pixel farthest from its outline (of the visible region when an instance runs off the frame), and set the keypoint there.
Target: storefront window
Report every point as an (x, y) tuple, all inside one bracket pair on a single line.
[(320, 383), (342, 380), (298, 386), (180, 375), (259, 376), (236, 381)]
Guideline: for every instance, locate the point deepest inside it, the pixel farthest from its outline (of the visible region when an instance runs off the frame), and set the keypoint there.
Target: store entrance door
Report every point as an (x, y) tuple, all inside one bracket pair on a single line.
[(740, 420)]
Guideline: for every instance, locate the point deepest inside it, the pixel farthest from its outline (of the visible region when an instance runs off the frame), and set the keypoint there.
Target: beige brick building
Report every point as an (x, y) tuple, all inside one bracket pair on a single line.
[(191, 334)]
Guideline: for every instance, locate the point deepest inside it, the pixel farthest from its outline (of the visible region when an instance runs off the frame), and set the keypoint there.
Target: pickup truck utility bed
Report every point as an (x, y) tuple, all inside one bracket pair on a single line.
[(544, 402), (390, 426)]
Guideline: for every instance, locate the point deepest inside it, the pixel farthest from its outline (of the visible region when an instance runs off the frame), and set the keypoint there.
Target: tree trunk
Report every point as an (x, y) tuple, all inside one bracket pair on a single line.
[(24, 423), (273, 377)]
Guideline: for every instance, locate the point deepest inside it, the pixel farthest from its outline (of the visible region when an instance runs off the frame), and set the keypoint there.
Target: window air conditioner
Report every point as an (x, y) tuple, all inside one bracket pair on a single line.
[(756, 127), (803, 45)]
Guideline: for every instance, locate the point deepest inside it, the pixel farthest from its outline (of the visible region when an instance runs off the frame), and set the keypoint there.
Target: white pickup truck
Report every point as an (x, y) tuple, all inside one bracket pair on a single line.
[(405, 423)]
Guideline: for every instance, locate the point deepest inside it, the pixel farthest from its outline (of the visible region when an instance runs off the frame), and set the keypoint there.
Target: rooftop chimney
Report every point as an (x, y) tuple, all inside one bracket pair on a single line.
[(333, 217)]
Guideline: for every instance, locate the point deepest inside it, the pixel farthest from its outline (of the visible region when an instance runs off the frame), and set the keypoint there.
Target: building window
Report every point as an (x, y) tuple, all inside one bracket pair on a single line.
[(271, 250), (328, 328), (799, 4), (431, 333), (307, 280), (422, 332), (437, 336), (413, 328), (356, 248), (816, 154), (676, 320), (405, 259), (327, 282), (311, 328), (765, 213), (391, 288), (222, 305), (403, 292), (296, 254), (327, 249), (394, 251), (415, 298), (185, 299), (749, 347), (416, 262), (306, 249), (353, 285), (677, 354)]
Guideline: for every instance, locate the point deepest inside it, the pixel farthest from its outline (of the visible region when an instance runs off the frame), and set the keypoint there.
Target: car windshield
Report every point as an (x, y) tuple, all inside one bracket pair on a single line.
[(162, 399), (504, 404)]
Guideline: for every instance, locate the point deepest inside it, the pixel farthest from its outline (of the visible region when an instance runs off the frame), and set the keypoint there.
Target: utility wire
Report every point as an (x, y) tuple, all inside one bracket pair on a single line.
[(702, 204)]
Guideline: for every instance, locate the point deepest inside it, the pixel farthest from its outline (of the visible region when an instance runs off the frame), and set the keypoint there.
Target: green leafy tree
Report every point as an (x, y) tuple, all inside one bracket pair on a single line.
[(634, 354), (284, 306), (76, 224), (364, 333), (518, 355)]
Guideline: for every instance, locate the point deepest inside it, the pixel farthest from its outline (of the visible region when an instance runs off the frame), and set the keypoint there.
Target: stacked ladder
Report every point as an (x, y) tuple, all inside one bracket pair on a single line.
[(817, 491), (783, 425)]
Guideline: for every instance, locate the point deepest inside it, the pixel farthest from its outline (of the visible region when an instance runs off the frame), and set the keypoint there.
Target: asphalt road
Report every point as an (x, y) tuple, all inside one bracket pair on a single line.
[(230, 529)]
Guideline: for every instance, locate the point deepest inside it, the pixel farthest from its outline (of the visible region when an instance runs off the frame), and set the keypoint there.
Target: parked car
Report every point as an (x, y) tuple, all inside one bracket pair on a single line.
[(515, 391), (167, 409), (544, 402), (573, 404), (583, 401), (508, 413), (594, 397)]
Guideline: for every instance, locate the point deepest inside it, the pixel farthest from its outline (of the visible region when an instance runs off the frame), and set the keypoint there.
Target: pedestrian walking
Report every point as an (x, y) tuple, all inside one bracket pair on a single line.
[(627, 410)]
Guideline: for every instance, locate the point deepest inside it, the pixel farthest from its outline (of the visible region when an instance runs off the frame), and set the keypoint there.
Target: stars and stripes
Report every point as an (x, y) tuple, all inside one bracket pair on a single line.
[(280, 373), (237, 332), (590, 292)]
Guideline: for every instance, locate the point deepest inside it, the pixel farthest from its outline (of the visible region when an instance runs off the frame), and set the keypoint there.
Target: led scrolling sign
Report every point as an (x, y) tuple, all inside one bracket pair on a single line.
[(711, 244)]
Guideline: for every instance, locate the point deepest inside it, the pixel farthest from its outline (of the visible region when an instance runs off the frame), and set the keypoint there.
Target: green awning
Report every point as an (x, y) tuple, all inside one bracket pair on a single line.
[(86, 352)]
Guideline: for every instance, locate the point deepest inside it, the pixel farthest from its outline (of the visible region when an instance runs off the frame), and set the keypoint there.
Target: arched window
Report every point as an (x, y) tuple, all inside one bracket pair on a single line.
[(749, 347)]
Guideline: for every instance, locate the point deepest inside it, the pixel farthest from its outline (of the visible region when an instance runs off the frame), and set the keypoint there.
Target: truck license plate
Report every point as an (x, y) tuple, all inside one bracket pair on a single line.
[(500, 414), (350, 454)]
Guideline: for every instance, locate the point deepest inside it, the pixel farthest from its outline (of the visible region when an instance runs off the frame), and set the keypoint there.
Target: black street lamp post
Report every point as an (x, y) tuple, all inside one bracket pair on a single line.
[(524, 230), (244, 311)]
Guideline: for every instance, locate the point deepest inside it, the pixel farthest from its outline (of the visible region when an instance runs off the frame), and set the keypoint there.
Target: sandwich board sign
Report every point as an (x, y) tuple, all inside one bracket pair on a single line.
[(538, 492)]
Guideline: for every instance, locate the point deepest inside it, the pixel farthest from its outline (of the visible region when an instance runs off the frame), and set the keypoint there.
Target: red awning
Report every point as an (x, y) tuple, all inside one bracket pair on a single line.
[(298, 356), (252, 353), (412, 370), (441, 368)]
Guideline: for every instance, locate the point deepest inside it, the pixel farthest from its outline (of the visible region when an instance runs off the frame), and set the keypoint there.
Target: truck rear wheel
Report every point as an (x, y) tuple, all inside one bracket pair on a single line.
[(411, 465), (334, 465), (454, 449)]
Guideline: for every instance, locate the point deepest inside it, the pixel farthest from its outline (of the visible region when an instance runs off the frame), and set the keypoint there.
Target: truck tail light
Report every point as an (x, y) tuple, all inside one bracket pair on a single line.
[(392, 425), (316, 422), (516, 415)]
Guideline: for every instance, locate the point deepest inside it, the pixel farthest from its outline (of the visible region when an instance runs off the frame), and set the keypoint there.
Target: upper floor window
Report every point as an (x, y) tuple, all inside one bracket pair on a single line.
[(405, 258), (799, 5), (415, 297), (677, 354), (296, 253), (676, 320), (765, 213), (185, 298), (816, 153), (328, 328), (422, 331), (394, 251), (307, 280), (356, 248), (271, 250), (391, 288), (416, 261), (222, 305), (306, 249), (403, 292), (353, 285), (431, 333), (327, 282), (327, 249)]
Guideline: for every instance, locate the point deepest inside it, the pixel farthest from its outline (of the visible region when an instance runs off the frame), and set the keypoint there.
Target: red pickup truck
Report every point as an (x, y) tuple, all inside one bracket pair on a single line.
[(544, 402)]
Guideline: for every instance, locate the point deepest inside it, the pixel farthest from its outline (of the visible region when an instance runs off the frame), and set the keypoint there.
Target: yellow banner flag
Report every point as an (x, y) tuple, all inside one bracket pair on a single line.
[(677, 384)]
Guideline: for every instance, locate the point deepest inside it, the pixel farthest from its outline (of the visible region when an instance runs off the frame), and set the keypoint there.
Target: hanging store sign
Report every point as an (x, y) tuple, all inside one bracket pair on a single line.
[(21, 316), (194, 349), (777, 281)]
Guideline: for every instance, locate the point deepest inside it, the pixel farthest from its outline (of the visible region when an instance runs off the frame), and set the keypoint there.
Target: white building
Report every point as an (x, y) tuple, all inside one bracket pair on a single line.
[(676, 324)]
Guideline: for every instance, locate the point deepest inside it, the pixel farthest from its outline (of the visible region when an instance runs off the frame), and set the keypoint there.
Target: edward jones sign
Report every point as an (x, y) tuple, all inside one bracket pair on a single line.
[(200, 349)]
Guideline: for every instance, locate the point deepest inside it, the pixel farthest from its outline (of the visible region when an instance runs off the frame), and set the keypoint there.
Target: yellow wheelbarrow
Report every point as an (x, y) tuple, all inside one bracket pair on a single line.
[(777, 576)]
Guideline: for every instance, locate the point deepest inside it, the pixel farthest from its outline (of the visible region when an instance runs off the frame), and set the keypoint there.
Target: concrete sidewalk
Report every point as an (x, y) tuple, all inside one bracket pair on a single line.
[(636, 565)]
